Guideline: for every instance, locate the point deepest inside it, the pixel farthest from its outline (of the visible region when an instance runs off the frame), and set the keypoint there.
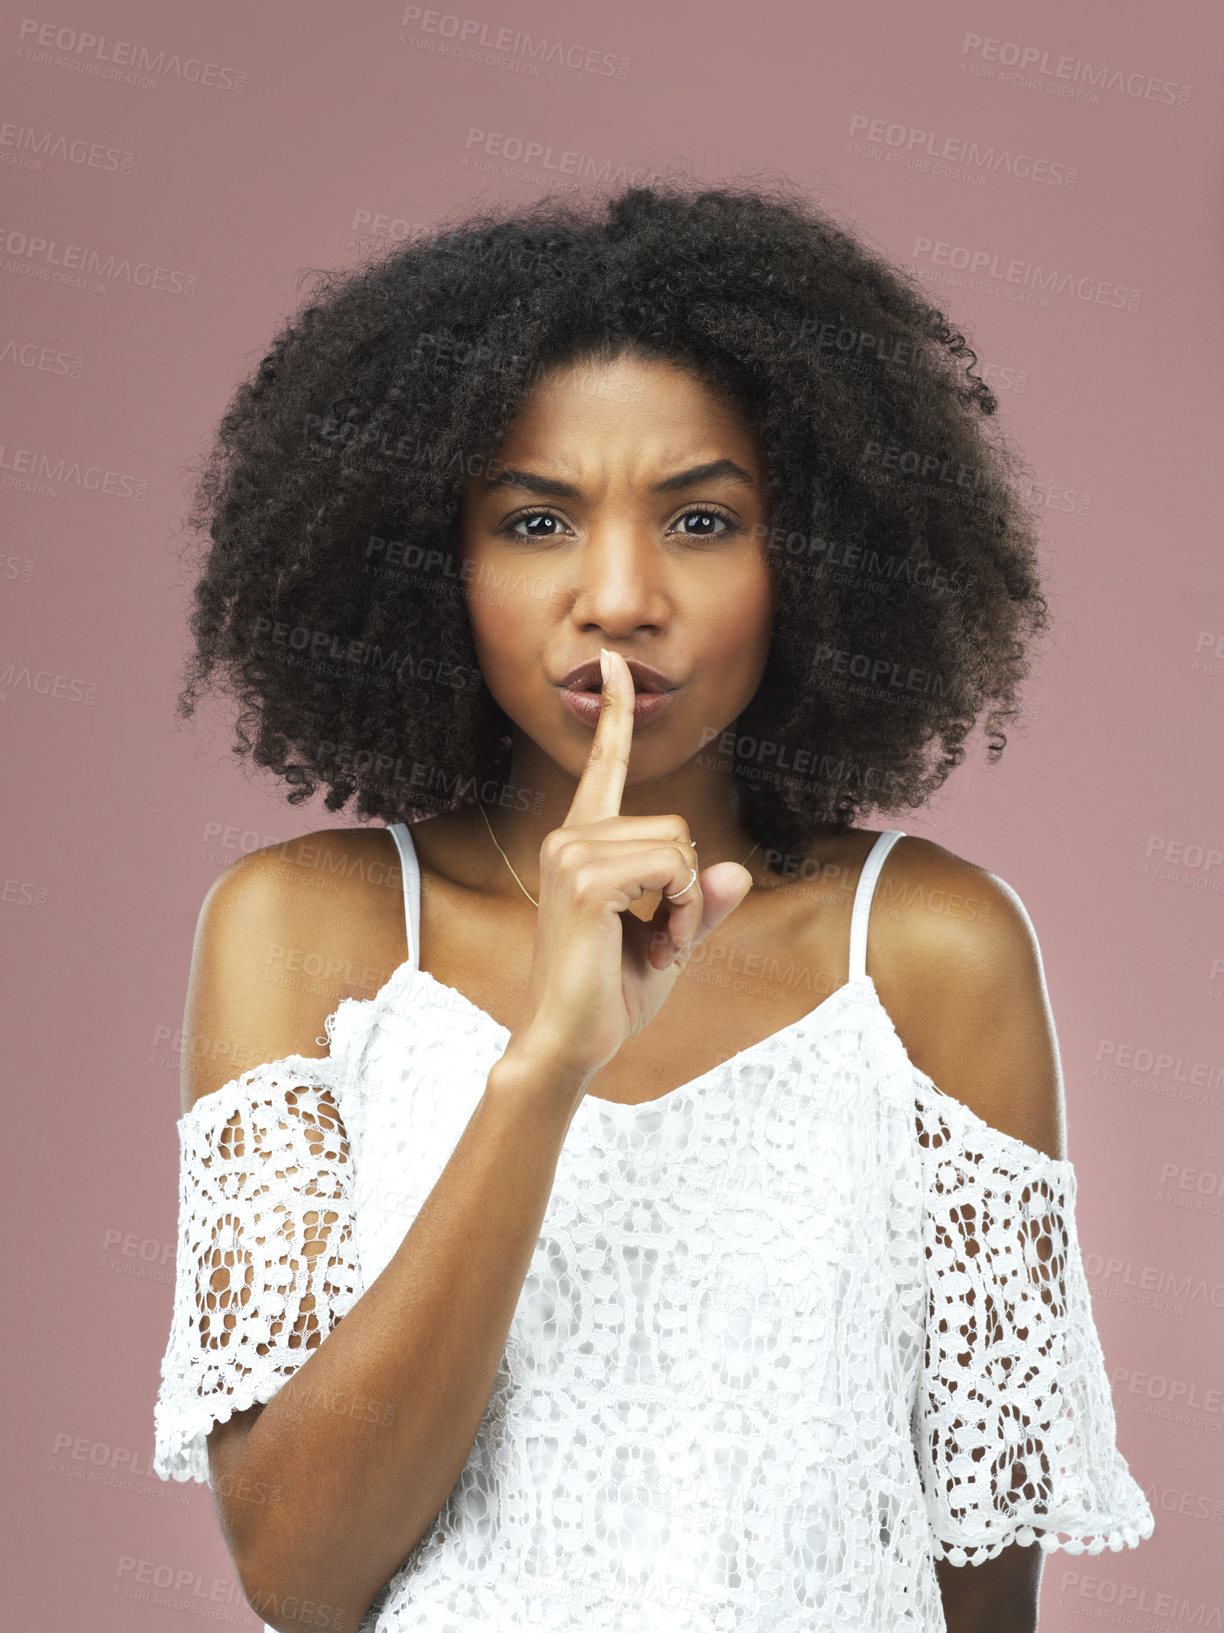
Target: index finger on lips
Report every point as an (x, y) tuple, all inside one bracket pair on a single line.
[(602, 783)]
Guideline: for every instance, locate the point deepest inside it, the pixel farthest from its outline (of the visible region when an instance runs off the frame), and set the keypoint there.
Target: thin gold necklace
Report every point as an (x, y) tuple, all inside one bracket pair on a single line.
[(510, 864)]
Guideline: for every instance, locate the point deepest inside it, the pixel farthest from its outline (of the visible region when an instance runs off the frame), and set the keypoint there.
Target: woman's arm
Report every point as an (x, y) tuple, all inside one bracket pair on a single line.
[(998, 1596), (354, 1491), (967, 991)]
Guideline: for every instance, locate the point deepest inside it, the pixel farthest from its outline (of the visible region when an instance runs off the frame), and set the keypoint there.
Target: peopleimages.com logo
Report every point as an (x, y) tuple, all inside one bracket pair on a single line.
[(470, 36), (984, 268), (917, 144), (127, 62), (1078, 77)]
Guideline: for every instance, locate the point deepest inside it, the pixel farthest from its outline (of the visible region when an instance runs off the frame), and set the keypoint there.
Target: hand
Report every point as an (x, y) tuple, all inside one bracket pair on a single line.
[(599, 974)]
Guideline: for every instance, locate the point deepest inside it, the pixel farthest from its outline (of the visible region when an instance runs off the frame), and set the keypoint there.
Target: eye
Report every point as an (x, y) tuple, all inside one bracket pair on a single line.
[(512, 523), (510, 527), (709, 513)]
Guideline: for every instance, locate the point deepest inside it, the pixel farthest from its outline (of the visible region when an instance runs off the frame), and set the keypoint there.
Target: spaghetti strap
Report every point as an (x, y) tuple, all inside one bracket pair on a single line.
[(864, 890), (411, 870)]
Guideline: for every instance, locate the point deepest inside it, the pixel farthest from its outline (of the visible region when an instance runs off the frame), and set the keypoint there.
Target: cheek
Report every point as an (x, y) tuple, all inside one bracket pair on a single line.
[(741, 626), (504, 631), (486, 604)]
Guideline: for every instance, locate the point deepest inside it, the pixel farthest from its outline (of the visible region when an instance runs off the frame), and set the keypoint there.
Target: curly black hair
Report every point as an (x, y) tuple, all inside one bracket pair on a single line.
[(331, 598)]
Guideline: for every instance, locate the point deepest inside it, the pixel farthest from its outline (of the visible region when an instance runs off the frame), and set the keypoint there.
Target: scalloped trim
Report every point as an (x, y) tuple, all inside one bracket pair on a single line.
[(1053, 1538), (182, 1427), (992, 1139), (348, 1030), (210, 1109), (352, 1006)]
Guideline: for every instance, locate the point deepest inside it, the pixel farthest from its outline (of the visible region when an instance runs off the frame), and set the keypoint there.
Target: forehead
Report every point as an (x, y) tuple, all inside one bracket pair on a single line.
[(653, 418), (530, 481), (662, 388)]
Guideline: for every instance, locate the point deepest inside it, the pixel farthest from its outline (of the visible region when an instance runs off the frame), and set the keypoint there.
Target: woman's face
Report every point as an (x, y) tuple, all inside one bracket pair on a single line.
[(571, 542)]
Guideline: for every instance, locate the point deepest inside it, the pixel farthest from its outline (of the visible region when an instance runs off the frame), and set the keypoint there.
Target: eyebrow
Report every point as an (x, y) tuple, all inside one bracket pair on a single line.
[(714, 470)]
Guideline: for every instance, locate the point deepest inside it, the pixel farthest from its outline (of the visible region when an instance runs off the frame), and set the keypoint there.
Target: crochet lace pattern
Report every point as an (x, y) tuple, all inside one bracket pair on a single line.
[(265, 1265), (790, 1333), (1016, 1427)]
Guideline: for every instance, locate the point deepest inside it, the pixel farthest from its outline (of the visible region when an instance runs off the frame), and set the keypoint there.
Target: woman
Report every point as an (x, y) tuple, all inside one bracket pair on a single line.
[(593, 1213)]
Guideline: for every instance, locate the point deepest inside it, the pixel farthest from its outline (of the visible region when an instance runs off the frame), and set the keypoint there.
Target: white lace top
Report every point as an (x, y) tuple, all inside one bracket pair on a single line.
[(790, 1333)]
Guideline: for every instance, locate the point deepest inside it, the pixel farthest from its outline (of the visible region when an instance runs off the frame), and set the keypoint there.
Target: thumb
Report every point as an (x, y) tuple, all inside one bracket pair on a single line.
[(723, 887)]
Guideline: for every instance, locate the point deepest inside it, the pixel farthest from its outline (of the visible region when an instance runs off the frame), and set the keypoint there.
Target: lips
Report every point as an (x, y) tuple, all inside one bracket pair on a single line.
[(587, 678)]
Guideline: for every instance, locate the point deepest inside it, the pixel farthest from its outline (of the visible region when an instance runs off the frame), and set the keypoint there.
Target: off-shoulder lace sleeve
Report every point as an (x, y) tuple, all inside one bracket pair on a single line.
[(266, 1264), (1014, 1424)]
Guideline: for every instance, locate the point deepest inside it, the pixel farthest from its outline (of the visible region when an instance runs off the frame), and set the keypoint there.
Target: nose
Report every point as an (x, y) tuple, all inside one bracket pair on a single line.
[(620, 579)]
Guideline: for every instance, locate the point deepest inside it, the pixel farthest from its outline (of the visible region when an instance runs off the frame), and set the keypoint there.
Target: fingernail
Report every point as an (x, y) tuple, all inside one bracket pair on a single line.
[(603, 665)]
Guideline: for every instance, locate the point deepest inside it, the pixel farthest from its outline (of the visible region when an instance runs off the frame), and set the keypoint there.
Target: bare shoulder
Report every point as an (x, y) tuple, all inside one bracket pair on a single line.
[(942, 906), (283, 935), (957, 964)]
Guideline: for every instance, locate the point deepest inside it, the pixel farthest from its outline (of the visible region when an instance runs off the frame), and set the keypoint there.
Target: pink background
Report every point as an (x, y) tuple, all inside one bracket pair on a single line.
[(275, 138)]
